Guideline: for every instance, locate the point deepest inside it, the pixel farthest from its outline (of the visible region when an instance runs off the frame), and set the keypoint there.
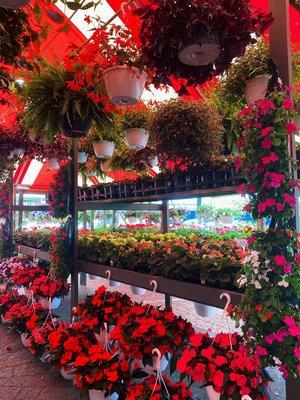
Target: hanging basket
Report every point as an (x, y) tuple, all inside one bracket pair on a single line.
[(203, 52), (52, 163), (212, 394), (203, 310), (256, 88), (104, 148), (136, 138), (67, 375), (82, 157), (124, 85), (48, 304), (74, 126), (151, 370), (138, 290), (99, 395), (25, 339), (13, 3)]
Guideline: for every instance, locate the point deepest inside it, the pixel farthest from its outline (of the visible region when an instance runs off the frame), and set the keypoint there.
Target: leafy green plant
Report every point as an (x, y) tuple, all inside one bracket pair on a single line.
[(15, 36), (53, 100), (187, 131), (253, 63), (136, 160), (135, 118)]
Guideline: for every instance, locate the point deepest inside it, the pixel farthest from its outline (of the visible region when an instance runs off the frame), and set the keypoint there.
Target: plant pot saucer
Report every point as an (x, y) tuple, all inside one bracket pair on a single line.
[(199, 54)]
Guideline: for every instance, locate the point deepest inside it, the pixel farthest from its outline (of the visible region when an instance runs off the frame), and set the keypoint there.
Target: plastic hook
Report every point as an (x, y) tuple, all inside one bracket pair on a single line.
[(154, 284), (246, 397), (108, 274), (228, 297)]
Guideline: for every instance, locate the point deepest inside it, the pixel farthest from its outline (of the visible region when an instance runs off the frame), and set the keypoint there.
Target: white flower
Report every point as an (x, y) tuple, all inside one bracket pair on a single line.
[(255, 271), (283, 283), (242, 280), (257, 285), (277, 361)]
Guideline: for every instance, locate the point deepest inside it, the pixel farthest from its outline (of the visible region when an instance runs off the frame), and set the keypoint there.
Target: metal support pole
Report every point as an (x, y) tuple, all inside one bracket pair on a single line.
[(165, 229), (74, 207), (92, 220), (84, 226), (20, 214)]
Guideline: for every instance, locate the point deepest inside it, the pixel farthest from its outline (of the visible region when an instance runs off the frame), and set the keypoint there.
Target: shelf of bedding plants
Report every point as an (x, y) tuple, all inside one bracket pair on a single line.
[(162, 187), (189, 291)]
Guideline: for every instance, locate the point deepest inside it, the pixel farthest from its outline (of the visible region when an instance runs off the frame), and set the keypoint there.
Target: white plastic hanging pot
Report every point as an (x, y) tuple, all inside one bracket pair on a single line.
[(256, 88), (212, 394), (23, 291), (50, 304), (25, 339), (67, 374), (136, 138), (82, 157), (153, 161), (92, 277), (203, 310), (104, 148), (13, 3), (52, 163), (114, 283), (99, 395), (124, 85), (138, 290), (3, 320)]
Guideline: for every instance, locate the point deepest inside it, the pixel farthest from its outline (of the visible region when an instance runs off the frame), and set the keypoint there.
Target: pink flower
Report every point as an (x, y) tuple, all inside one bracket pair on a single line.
[(240, 143), (241, 189), (238, 163), (247, 207), (297, 258), (289, 321), (295, 331), (280, 260), (290, 127), (265, 131), (294, 183), (272, 180), (297, 352), (279, 207), (245, 111), (289, 199), (262, 207), (265, 105), (247, 123), (280, 336), (288, 104), (269, 339), (261, 351), (251, 239), (257, 124), (267, 144), (284, 371), (270, 158), (287, 268)]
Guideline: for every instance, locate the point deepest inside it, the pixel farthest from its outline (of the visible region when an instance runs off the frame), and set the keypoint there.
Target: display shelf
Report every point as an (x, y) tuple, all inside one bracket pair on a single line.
[(184, 290), (30, 251)]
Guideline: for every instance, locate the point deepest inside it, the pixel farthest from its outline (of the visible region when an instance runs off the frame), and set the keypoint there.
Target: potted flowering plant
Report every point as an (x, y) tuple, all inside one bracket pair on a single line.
[(8, 299), (187, 131), (145, 327), (134, 125), (104, 139), (60, 100), (11, 265), (25, 277), (137, 160), (123, 74), (162, 389), (48, 291), (196, 40), (103, 373), (39, 343), (224, 365)]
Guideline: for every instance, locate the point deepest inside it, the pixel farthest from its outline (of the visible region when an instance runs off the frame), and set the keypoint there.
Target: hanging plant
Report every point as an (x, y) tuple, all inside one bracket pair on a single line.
[(60, 100), (59, 192), (15, 36), (186, 133), (134, 125), (196, 40), (138, 160)]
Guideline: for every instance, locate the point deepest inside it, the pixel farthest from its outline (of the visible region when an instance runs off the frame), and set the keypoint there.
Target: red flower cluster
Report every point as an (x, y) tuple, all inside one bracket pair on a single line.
[(226, 364), (102, 307), (47, 287), (144, 328), (25, 277)]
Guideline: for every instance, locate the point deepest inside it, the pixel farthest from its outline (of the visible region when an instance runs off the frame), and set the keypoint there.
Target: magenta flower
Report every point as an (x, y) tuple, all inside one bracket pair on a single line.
[(289, 321), (270, 158), (288, 104), (280, 260), (265, 131), (297, 258), (279, 207), (289, 199), (238, 163), (267, 144), (280, 336), (265, 105), (272, 180), (287, 268), (297, 352), (295, 331), (270, 339), (261, 351), (290, 127), (257, 124), (245, 111)]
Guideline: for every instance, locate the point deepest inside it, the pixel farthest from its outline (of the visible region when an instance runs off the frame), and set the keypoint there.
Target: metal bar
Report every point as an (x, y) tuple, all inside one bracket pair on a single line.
[(221, 191), (99, 205), (184, 290), (165, 217), (30, 208), (42, 255), (20, 216), (74, 213), (92, 220)]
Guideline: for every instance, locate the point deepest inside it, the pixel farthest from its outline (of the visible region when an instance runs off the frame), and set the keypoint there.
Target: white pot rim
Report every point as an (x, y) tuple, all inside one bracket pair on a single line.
[(103, 141), (135, 69), (258, 77)]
